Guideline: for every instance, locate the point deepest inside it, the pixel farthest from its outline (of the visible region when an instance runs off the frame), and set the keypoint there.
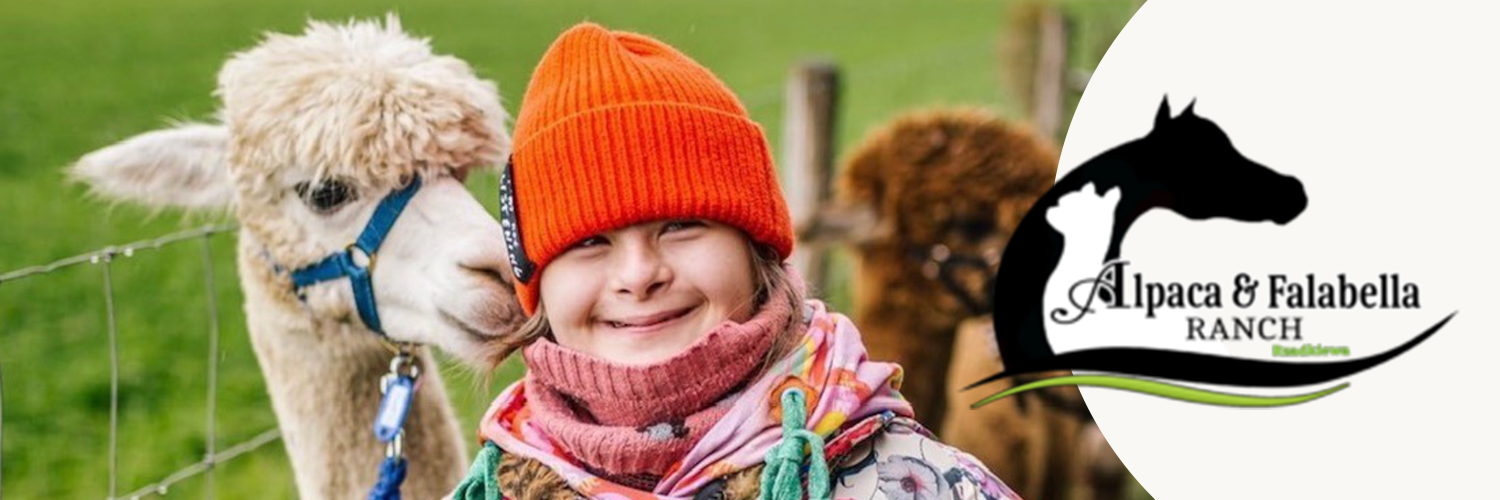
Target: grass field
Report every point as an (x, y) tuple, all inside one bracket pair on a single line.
[(78, 75)]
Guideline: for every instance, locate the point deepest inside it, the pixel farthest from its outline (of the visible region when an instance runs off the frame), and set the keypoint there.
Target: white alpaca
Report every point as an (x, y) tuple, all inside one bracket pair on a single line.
[(1086, 220), (314, 131)]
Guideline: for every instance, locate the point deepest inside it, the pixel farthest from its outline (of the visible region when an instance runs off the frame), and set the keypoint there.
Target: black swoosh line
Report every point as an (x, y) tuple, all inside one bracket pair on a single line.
[(1210, 368)]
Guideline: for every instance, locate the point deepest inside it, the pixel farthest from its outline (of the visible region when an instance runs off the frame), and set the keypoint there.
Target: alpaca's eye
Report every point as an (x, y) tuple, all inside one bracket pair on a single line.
[(975, 228), (326, 196)]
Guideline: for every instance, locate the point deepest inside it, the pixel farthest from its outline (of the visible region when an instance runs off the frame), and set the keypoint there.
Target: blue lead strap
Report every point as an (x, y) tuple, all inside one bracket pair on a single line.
[(343, 264), (392, 474)]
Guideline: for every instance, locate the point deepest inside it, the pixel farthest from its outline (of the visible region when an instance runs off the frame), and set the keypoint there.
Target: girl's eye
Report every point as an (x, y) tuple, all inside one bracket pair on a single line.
[(678, 225), (593, 241), (587, 247), (325, 197)]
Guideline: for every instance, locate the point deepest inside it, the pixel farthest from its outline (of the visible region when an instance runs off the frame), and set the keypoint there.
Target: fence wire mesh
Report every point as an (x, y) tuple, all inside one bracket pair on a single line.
[(212, 456)]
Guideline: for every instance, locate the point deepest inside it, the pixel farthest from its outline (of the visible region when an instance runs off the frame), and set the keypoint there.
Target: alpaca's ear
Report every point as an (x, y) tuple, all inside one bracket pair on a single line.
[(183, 166), (863, 177)]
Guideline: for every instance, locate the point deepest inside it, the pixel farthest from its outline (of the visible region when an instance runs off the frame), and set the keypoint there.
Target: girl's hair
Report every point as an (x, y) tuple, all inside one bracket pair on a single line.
[(769, 275)]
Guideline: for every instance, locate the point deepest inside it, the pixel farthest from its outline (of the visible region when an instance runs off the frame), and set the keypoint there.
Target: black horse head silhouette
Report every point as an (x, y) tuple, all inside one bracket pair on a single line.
[(1187, 165)]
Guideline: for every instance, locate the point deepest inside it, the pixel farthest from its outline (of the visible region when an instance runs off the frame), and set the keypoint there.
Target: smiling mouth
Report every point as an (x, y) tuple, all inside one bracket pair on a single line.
[(650, 322)]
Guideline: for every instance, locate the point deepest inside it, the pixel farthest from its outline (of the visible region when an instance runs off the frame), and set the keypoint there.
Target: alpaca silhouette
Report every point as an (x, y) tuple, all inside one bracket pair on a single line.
[(1187, 165)]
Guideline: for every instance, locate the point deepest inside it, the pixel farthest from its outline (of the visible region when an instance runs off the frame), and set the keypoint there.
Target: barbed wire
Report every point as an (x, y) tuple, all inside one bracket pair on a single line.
[(114, 377), (205, 466), (213, 368), (126, 250), (105, 258)]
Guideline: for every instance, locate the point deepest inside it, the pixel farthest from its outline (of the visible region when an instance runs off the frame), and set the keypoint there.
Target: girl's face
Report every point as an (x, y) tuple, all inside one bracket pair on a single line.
[(642, 294)]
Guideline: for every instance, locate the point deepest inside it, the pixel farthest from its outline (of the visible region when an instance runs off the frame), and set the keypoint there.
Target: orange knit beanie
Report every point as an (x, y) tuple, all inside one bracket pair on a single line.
[(619, 128)]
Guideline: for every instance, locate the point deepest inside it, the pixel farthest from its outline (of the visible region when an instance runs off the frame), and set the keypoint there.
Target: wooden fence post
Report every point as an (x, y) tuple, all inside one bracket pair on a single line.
[(807, 163), (1050, 76)]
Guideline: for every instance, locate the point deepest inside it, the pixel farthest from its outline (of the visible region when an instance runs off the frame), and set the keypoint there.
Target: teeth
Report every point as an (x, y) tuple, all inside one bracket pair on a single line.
[(617, 324)]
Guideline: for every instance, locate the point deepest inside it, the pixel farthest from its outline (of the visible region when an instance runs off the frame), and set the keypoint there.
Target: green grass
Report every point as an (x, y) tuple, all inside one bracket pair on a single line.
[(79, 75)]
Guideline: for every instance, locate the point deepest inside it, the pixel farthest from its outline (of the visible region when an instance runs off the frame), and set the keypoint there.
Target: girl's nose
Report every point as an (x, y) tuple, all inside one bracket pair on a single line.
[(640, 272)]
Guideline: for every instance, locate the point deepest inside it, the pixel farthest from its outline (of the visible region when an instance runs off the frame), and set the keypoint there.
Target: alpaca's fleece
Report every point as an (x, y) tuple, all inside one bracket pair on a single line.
[(360, 101), (960, 178)]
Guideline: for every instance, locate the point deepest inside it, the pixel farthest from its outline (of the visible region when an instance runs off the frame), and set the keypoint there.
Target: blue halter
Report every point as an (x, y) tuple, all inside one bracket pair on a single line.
[(358, 259)]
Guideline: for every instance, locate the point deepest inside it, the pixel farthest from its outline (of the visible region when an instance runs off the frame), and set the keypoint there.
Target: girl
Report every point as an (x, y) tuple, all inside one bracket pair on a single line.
[(670, 351)]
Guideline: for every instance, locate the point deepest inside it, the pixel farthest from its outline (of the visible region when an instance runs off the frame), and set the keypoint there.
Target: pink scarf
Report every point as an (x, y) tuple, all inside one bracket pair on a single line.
[(630, 423), (830, 364)]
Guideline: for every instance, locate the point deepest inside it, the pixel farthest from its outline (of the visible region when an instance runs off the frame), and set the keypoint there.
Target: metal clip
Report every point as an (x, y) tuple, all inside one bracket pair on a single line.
[(359, 257), (398, 389), (403, 359), (393, 447)]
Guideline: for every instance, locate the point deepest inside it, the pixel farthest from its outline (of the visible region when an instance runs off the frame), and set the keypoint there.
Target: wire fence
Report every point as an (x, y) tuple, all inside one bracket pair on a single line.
[(105, 258)]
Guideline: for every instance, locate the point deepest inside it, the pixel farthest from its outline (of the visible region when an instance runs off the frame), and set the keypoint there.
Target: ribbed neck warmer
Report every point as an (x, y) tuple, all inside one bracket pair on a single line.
[(631, 423)]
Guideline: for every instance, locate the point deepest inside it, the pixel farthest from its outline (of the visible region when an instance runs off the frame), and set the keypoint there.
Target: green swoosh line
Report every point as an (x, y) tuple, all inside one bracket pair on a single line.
[(1170, 391)]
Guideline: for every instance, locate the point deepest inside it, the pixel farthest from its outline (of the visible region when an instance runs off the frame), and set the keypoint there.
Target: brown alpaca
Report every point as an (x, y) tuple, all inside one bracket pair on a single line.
[(960, 179), (953, 185), (1041, 448)]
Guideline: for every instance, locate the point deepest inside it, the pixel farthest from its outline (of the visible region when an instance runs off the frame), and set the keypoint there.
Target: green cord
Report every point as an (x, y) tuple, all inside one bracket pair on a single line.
[(481, 483), (782, 477)]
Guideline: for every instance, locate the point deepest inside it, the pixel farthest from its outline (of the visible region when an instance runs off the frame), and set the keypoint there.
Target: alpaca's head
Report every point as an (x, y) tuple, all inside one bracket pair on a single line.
[(961, 179), (314, 131)]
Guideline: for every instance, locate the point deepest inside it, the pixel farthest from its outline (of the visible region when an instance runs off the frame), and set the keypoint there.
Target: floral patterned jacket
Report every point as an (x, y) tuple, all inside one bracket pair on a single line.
[(880, 458), (902, 461)]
